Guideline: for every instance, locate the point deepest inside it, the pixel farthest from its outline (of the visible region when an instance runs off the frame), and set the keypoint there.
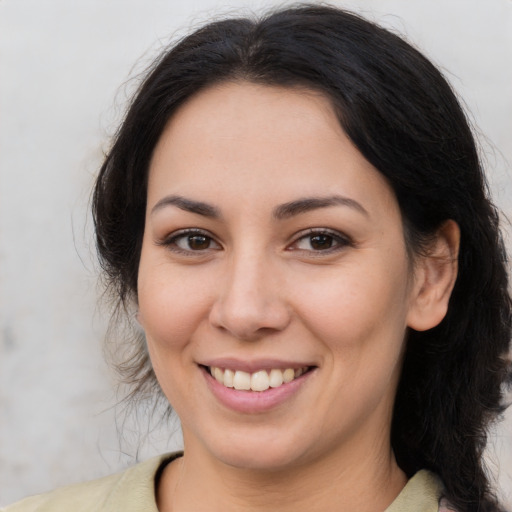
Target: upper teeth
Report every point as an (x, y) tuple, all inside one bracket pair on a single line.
[(257, 381)]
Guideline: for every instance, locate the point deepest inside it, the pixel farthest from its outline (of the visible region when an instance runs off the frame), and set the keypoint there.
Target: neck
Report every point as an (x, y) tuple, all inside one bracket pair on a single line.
[(342, 482)]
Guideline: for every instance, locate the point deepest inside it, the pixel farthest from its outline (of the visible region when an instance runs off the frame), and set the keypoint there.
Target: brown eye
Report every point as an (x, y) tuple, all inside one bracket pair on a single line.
[(198, 242), (191, 241), (321, 242)]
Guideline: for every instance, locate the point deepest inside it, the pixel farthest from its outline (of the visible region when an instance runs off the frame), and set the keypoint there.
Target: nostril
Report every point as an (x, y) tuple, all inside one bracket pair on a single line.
[(249, 302), (250, 321)]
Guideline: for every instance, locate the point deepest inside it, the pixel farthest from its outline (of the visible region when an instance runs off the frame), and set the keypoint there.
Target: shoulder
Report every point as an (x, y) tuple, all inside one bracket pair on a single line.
[(423, 493), (131, 491)]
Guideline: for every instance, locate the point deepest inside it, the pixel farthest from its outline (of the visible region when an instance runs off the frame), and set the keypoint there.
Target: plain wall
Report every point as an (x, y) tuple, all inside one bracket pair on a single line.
[(62, 66)]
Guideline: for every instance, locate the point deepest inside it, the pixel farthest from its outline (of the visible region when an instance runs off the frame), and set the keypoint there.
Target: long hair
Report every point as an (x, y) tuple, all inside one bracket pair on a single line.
[(403, 117)]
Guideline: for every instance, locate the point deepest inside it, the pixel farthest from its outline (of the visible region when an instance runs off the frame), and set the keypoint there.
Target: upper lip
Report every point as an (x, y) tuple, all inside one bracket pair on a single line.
[(254, 365)]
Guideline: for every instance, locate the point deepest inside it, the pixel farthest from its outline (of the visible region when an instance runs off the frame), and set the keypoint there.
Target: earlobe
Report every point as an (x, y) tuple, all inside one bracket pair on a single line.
[(434, 278)]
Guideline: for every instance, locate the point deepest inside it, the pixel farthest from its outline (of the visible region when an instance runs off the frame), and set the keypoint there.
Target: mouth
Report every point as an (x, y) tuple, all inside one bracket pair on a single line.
[(258, 381)]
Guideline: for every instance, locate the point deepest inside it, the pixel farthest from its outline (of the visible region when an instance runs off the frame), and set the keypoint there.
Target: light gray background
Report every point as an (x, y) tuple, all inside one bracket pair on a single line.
[(62, 66)]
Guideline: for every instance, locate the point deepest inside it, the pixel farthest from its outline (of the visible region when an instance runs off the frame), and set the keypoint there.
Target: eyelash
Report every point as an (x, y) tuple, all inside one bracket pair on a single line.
[(339, 240), (171, 242)]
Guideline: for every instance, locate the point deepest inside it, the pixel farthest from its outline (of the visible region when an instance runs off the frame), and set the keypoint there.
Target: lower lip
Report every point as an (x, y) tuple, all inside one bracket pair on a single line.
[(252, 402)]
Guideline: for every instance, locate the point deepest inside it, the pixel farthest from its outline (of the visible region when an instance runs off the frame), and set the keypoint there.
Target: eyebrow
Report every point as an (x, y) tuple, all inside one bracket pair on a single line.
[(189, 205), (283, 211), (307, 204)]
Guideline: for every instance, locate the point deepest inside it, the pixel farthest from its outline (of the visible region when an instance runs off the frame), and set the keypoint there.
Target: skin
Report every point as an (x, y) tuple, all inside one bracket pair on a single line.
[(257, 285)]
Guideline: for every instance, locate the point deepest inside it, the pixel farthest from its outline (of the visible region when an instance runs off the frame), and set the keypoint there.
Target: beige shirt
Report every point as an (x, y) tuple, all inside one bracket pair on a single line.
[(134, 491)]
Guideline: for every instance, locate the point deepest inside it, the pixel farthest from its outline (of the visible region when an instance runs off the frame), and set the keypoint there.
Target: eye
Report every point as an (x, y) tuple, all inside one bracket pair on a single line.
[(321, 241), (190, 240), (193, 242)]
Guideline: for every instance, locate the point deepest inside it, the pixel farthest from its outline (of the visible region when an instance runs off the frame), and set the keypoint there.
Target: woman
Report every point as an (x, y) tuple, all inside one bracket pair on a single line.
[(295, 210)]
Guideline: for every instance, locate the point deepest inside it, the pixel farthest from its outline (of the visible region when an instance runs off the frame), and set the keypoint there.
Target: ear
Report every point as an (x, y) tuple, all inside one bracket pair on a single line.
[(434, 277)]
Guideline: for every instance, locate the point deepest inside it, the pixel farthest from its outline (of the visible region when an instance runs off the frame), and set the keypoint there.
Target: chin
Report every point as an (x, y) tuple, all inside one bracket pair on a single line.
[(258, 453)]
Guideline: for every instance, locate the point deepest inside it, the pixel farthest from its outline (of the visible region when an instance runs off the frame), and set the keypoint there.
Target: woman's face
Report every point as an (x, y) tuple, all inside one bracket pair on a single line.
[(272, 248)]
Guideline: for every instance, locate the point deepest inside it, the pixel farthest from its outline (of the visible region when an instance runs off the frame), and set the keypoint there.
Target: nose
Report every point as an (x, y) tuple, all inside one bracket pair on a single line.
[(250, 301)]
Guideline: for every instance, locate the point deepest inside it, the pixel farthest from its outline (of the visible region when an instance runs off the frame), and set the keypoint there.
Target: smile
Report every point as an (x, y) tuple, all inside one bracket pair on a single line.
[(257, 381)]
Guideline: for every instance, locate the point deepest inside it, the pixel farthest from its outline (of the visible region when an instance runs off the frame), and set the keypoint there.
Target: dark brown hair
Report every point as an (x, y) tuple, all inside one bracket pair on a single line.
[(403, 117)]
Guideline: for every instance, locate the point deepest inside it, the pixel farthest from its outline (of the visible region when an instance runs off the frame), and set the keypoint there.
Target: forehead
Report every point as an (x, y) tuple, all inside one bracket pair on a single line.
[(250, 117), (221, 105), (258, 139)]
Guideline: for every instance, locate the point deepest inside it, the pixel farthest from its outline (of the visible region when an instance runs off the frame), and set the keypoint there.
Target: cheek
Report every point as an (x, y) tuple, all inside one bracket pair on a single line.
[(172, 305), (170, 314), (362, 308)]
